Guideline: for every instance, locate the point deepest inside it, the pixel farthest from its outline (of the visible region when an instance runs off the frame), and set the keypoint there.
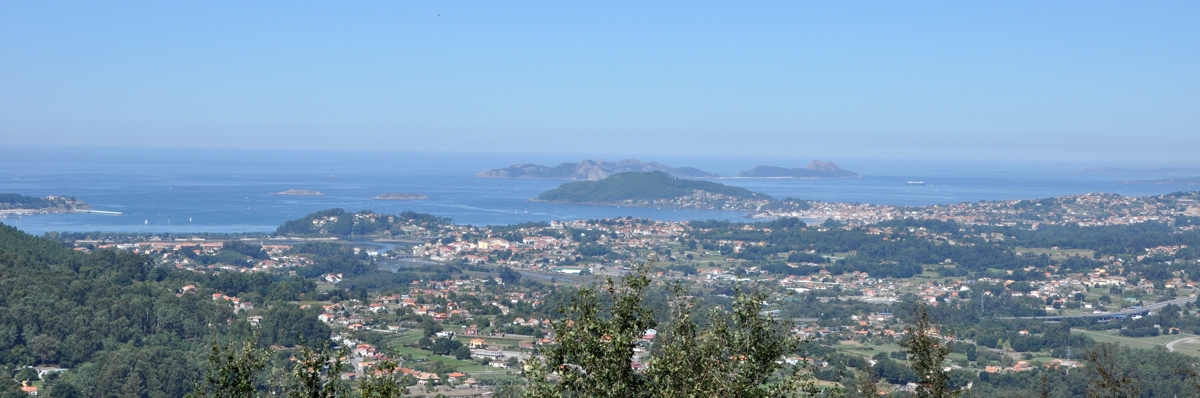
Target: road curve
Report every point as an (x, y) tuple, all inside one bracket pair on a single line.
[(1171, 345)]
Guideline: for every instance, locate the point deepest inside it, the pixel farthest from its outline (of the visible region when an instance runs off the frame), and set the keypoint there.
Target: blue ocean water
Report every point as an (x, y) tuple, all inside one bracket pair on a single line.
[(232, 191)]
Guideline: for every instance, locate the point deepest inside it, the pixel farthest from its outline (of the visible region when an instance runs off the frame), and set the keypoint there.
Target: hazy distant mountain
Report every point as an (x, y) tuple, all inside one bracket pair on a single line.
[(1117, 170), (816, 169), (590, 170)]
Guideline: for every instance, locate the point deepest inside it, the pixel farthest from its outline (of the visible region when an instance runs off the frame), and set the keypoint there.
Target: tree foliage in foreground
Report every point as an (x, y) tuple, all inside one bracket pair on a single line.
[(738, 352), (927, 356)]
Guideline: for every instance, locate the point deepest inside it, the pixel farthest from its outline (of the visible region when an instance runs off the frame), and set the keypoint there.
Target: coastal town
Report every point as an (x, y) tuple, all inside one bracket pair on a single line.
[(456, 325)]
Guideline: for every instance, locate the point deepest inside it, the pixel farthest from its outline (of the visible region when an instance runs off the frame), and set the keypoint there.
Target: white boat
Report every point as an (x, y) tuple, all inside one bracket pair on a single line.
[(916, 183)]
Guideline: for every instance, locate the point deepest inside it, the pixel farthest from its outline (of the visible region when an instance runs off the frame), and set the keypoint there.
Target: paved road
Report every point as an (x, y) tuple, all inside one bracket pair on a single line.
[(1171, 345), (1144, 309)]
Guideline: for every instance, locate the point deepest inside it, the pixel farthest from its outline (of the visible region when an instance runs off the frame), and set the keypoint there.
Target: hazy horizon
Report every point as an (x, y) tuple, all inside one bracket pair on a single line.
[(1098, 83)]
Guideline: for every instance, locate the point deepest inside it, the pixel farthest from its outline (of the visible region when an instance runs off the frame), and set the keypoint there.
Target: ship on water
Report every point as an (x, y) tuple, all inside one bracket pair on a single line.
[(916, 183)]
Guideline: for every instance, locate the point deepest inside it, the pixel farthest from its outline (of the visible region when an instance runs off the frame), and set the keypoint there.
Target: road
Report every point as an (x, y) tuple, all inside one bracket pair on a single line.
[(1129, 312), (1171, 345)]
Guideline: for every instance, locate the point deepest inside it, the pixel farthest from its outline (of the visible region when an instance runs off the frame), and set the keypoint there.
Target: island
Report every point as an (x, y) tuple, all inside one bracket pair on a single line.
[(591, 170), (17, 204), (401, 196), (657, 189), (816, 169), (300, 192)]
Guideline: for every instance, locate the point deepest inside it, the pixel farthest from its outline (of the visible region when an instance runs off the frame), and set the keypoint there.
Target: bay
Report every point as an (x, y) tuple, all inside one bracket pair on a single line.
[(182, 191)]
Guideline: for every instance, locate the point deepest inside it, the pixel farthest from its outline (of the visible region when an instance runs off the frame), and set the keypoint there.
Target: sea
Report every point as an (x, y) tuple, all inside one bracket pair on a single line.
[(235, 191)]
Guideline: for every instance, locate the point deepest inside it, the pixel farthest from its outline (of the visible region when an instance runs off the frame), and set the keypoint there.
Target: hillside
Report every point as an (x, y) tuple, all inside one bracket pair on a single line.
[(816, 169), (103, 315), (122, 326), (590, 170), (654, 188)]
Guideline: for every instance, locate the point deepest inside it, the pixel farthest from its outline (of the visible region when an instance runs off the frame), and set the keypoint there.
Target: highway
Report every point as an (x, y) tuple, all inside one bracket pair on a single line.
[(1129, 312)]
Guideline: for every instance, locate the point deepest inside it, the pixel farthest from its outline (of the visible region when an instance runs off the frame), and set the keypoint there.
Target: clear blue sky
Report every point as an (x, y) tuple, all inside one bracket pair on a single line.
[(967, 79)]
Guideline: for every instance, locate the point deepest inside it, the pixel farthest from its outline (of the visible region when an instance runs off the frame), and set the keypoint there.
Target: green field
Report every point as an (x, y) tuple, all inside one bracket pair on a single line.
[(1055, 254), (1144, 342)]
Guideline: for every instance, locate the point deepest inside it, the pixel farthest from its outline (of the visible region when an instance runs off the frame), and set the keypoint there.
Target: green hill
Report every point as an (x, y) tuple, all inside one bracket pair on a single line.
[(120, 324), (650, 186)]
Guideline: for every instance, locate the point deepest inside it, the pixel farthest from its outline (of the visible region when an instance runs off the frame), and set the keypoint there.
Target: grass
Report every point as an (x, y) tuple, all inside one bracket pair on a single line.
[(419, 354), (1139, 342), (1055, 254), (1191, 348)]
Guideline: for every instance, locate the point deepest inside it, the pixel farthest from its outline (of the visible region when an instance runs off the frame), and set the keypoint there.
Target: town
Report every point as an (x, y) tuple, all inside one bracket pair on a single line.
[(462, 307)]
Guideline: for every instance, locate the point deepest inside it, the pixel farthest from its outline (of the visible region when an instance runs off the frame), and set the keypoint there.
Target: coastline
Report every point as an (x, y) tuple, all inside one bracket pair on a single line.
[(749, 213)]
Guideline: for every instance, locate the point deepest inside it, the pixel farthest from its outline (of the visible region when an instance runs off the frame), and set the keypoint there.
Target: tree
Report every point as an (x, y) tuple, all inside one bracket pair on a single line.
[(232, 370), (462, 352), (382, 382), (1107, 380), (317, 374), (508, 275), (737, 352), (866, 384), (927, 355)]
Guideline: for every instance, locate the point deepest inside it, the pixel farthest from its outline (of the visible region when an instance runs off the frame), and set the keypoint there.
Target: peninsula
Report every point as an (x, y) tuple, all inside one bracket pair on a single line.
[(300, 192), (11, 203), (401, 196), (591, 170), (657, 189), (816, 169)]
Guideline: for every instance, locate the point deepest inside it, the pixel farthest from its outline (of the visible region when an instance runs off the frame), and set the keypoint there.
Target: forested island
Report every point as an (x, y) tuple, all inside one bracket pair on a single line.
[(11, 202), (656, 189)]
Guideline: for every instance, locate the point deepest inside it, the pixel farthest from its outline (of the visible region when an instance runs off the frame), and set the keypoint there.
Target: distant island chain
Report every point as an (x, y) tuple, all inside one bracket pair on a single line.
[(599, 169)]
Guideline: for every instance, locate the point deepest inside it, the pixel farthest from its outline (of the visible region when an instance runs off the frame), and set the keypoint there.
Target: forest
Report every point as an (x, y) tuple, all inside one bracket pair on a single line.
[(122, 325)]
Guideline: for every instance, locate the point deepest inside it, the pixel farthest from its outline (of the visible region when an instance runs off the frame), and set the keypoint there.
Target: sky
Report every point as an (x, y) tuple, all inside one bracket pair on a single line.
[(1098, 81)]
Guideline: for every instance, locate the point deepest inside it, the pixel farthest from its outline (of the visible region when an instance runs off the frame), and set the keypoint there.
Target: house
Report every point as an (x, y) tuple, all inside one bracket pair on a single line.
[(487, 354), (427, 378), (28, 389), (477, 343), (364, 350)]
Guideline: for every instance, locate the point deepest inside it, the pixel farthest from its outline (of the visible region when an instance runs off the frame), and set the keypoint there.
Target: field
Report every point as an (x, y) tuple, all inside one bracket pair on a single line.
[(1055, 254), (1188, 345)]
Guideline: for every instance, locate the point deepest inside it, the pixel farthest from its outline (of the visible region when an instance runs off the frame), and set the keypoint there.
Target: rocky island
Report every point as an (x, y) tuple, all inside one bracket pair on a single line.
[(300, 192), (591, 170), (657, 189), (816, 169), (400, 196)]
